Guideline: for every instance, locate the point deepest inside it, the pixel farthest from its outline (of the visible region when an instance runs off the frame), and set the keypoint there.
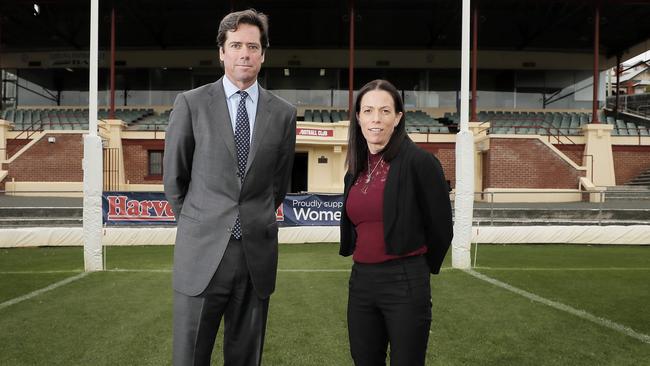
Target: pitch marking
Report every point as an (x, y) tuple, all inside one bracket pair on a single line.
[(566, 268), (43, 290), (566, 308)]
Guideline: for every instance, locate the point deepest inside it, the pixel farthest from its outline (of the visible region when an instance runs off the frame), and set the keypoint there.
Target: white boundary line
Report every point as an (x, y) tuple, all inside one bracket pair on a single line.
[(43, 290), (559, 306), (565, 269), (40, 272), (562, 307)]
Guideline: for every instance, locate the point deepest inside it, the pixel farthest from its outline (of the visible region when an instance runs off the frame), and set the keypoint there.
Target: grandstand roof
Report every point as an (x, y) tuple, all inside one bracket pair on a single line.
[(522, 25)]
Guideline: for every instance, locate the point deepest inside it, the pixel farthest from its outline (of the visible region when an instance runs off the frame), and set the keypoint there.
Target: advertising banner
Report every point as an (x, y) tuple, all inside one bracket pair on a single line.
[(146, 208), (311, 210), (141, 208)]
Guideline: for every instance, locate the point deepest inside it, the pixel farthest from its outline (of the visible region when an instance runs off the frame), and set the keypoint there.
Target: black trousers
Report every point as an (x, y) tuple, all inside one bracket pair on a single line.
[(230, 295), (389, 303)]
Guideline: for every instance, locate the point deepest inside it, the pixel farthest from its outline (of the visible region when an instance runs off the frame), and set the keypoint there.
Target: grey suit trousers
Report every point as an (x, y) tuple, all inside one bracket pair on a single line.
[(230, 295)]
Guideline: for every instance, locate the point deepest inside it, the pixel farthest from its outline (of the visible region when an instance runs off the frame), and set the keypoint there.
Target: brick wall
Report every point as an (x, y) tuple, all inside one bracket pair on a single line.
[(13, 146), (574, 152), (630, 161), (136, 165), (527, 163), (50, 162), (446, 153)]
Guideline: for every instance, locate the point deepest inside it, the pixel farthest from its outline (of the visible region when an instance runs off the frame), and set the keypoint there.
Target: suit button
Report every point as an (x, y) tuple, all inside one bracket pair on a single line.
[(228, 229)]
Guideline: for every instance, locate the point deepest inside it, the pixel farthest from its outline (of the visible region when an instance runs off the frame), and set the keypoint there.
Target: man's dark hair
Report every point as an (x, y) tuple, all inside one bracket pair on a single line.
[(232, 21), (357, 156)]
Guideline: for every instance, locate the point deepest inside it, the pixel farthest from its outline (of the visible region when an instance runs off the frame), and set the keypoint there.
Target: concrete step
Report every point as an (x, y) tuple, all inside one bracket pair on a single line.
[(561, 215), (625, 188), (555, 222), (645, 183), (626, 198), (641, 179), (633, 192), (8, 222), (40, 216), (43, 212)]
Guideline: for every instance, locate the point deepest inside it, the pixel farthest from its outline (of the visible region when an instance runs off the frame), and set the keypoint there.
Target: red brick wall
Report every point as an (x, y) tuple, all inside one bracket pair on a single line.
[(50, 162), (136, 164), (527, 163), (13, 146), (630, 161), (574, 152), (446, 153)]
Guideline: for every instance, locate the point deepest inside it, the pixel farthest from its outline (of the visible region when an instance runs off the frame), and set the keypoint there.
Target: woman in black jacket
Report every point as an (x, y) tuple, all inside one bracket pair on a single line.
[(396, 223)]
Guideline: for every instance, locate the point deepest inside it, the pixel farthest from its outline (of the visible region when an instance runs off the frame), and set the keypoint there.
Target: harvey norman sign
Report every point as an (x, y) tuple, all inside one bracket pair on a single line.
[(146, 208)]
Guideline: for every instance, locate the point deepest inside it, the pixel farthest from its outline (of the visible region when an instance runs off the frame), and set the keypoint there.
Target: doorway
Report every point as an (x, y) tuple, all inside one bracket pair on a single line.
[(299, 174)]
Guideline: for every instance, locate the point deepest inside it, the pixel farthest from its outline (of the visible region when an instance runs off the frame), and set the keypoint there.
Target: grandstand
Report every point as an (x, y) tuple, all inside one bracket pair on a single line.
[(418, 121), (552, 123), (558, 160)]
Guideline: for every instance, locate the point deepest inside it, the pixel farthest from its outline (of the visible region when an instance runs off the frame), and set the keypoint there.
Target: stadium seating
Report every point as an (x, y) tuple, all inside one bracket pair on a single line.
[(501, 122), (67, 118), (153, 122), (549, 123), (416, 121), (325, 116)]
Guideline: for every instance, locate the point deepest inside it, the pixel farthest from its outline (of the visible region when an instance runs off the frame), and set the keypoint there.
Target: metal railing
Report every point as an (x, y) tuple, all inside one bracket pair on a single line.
[(632, 103)]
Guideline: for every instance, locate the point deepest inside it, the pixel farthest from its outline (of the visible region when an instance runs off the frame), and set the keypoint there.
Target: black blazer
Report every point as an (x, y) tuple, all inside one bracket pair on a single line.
[(417, 210)]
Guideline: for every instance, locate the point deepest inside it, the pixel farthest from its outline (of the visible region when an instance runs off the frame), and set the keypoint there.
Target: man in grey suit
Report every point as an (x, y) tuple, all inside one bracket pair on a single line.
[(228, 157)]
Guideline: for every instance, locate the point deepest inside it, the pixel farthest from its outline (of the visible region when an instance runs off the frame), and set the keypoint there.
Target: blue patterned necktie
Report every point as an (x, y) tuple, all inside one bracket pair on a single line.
[(242, 145)]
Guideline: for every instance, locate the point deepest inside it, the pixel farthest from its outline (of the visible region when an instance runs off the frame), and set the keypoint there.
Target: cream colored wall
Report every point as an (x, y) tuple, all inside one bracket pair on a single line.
[(4, 132), (324, 177), (532, 195), (112, 129), (54, 189), (143, 187), (599, 146)]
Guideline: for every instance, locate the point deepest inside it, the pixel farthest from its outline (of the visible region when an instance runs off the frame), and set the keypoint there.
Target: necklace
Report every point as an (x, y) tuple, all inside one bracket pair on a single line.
[(373, 169)]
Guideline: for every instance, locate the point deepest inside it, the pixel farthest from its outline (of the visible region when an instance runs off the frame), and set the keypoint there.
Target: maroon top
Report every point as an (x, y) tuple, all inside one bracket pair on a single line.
[(365, 208)]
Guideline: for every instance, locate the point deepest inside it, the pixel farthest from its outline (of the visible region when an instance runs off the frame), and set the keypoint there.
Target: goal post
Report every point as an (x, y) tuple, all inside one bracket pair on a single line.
[(92, 161), (464, 200)]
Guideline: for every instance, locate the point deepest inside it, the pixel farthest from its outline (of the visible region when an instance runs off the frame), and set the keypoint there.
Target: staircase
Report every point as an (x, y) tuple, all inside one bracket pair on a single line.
[(642, 179), (628, 193)]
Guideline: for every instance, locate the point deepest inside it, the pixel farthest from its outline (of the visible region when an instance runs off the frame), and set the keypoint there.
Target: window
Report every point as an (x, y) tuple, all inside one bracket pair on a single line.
[(155, 162)]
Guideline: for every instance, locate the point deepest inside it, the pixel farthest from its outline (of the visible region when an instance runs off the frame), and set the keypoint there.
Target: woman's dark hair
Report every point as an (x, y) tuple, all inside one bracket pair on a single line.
[(357, 156), (232, 21)]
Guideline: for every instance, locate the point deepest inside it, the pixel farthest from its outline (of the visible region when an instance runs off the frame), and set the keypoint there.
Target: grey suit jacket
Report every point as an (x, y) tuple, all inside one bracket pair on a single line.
[(202, 184)]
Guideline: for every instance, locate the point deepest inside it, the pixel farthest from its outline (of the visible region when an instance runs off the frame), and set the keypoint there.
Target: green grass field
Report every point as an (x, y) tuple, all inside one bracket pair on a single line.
[(123, 316)]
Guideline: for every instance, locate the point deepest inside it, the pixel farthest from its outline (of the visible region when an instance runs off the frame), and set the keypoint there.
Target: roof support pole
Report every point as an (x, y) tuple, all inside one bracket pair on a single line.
[(351, 62), (464, 201), (594, 118), (474, 60), (618, 83), (111, 113), (92, 161), (2, 83)]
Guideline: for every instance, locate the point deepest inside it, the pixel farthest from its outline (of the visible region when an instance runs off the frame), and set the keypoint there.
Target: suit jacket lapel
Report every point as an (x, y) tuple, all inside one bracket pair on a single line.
[(262, 121), (221, 116)]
